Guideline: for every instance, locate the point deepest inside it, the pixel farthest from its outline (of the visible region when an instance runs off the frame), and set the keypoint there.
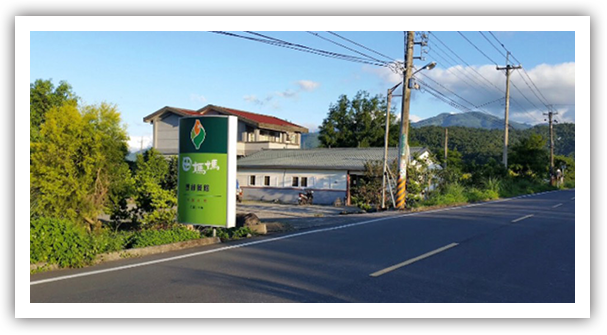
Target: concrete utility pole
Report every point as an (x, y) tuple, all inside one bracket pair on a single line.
[(403, 144), (508, 69), (386, 139), (550, 114), (446, 141)]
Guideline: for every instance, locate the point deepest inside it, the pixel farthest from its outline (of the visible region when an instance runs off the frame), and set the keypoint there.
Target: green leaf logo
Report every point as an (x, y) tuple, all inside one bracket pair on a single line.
[(198, 134)]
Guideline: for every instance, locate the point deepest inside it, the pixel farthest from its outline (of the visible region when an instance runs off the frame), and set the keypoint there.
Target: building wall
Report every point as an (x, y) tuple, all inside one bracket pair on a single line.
[(166, 134), (277, 184)]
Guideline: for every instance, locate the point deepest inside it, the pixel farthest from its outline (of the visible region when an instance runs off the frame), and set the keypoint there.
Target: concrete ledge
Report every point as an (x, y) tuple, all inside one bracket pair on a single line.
[(157, 249)]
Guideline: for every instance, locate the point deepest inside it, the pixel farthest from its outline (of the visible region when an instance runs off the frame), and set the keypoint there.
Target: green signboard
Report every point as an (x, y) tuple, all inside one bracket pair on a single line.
[(206, 191)]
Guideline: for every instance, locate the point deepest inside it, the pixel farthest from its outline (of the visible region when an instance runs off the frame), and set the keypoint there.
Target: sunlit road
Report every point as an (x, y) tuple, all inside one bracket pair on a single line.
[(518, 250)]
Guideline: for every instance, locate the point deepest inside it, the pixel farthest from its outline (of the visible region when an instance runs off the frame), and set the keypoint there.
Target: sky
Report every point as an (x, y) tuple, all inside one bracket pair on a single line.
[(142, 71)]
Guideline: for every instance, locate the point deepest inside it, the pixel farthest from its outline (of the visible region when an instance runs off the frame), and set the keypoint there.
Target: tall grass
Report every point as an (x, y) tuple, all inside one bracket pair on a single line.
[(490, 189)]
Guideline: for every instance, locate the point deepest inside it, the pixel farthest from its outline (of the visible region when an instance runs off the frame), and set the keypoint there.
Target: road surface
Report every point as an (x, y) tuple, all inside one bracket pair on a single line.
[(512, 250)]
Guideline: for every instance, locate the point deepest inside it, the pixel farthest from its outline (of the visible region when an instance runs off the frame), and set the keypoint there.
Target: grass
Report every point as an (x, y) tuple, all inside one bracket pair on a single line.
[(491, 189)]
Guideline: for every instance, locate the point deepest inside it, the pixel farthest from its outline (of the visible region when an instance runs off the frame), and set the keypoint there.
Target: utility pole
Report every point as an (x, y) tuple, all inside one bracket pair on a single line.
[(386, 139), (446, 140), (508, 69), (550, 114), (403, 147)]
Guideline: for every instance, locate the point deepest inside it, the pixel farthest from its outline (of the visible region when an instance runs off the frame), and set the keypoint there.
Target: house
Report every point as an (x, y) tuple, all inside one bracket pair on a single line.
[(255, 131), (280, 175)]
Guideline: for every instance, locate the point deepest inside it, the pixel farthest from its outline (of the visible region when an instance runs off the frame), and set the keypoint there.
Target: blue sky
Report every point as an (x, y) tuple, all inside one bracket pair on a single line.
[(144, 71)]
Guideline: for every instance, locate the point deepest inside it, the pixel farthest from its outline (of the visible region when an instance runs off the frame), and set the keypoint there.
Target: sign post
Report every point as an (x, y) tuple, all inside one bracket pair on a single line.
[(206, 189)]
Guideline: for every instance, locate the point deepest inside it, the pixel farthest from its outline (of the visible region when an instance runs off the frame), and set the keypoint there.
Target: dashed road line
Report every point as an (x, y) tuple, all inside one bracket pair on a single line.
[(557, 205), (412, 260), (522, 218)]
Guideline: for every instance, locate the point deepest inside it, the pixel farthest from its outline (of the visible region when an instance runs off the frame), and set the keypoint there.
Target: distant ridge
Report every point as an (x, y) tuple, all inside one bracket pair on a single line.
[(468, 119)]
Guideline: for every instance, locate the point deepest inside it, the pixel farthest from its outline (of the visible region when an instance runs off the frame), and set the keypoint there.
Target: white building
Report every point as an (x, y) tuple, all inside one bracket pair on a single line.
[(280, 175)]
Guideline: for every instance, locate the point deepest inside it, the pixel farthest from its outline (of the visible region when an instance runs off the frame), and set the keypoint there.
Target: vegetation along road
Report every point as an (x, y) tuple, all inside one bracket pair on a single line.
[(511, 250)]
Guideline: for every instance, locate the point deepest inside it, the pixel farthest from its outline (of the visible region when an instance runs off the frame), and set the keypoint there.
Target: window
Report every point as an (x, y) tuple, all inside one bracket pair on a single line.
[(252, 180), (304, 181), (266, 180), (295, 181)]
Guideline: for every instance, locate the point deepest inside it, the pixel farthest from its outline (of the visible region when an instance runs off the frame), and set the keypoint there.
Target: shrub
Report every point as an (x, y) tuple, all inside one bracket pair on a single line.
[(110, 241), (451, 194), (150, 237), (474, 195), (59, 241)]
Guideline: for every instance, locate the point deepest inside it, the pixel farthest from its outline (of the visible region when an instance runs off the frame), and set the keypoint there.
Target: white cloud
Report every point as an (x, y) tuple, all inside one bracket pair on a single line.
[(483, 88), (414, 118), (287, 93), (198, 98), (307, 85), (137, 142), (253, 99), (312, 127), (384, 73), (303, 86)]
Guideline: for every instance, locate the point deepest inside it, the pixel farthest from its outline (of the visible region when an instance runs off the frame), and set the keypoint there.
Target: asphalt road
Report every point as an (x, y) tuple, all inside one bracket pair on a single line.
[(518, 250)]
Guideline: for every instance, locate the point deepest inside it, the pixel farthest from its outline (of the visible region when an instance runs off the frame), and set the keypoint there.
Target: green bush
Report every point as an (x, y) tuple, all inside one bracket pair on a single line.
[(475, 195), (513, 187), (59, 241), (451, 194), (150, 237), (110, 241)]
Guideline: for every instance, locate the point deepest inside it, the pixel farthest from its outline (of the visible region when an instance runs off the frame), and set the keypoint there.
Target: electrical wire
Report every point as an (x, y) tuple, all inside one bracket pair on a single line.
[(545, 102), (304, 48), (477, 48), (362, 46), (343, 46)]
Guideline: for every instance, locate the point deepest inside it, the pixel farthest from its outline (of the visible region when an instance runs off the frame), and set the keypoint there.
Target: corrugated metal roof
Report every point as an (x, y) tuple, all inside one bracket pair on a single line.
[(319, 158)]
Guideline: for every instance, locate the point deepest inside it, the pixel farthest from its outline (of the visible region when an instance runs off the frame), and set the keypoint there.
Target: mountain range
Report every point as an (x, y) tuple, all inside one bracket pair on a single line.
[(468, 119)]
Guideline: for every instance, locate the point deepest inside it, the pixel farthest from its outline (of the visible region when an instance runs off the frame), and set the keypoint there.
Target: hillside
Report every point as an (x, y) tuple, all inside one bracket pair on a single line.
[(477, 144), (469, 119)]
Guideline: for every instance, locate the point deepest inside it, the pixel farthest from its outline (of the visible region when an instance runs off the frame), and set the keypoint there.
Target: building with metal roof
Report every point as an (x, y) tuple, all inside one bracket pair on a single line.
[(280, 175)]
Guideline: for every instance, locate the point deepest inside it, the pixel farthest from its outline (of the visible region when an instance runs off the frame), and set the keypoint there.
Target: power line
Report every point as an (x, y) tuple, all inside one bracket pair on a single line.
[(343, 46), (545, 102), (299, 47), (362, 46), (458, 67), (477, 48), (305, 48), (469, 66), (493, 45), (522, 109)]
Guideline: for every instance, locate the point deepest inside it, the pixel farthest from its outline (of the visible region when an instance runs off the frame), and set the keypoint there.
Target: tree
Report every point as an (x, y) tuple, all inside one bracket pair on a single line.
[(155, 204), (529, 157), (359, 122), (44, 96), (76, 162)]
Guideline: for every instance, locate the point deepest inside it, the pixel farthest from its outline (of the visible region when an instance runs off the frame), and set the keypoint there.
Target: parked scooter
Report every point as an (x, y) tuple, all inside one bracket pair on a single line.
[(306, 198)]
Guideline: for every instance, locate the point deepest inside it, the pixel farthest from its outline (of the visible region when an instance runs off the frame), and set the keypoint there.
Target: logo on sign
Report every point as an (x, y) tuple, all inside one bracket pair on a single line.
[(186, 164), (198, 134)]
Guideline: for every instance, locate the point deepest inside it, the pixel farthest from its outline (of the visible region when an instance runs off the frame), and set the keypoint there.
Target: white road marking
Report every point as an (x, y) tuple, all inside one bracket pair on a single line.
[(412, 260), (557, 205), (573, 198), (522, 218)]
